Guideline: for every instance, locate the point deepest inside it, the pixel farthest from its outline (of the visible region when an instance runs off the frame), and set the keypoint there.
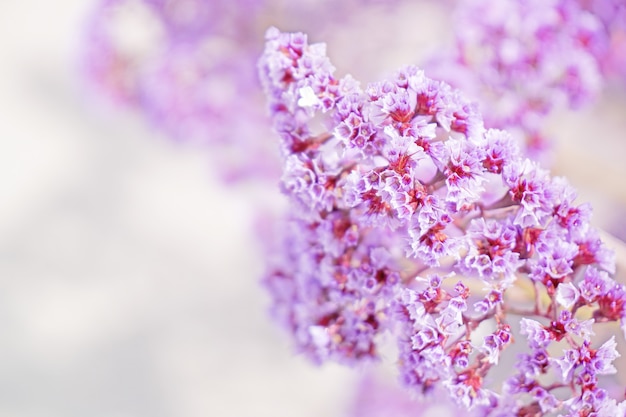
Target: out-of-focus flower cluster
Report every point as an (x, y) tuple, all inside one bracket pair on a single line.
[(521, 59), (612, 15), (412, 221), (188, 66)]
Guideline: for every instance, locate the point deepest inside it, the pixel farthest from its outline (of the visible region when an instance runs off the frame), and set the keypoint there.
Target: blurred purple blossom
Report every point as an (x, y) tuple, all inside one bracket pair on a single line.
[(522, 59), (190, 71)]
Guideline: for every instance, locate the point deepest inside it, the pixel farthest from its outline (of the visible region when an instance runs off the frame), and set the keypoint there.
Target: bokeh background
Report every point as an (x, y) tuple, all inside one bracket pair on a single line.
[(129, 270)]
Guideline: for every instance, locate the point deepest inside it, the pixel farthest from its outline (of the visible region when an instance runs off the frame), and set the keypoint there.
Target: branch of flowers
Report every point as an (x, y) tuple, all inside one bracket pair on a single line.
[(311, 143), (555, 385), (502, 203), (547, 237)]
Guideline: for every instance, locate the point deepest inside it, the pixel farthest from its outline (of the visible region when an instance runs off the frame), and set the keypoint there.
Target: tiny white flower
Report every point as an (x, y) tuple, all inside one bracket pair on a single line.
[(308, 98), (567, 294)]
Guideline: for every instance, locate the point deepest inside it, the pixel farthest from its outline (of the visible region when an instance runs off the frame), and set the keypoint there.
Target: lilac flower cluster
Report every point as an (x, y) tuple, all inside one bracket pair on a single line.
[(412, 221), (188, 67), (117, 59), (522, 59), (612, 14)]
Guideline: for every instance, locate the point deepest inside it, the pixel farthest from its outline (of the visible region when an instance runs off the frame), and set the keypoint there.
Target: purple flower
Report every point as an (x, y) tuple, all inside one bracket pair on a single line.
[(522, 59), (459, 217), (530, 187), (567, 363), (557, 256), (603, 357), (547, 401), (491, 251), (567, 294), (538, 336)]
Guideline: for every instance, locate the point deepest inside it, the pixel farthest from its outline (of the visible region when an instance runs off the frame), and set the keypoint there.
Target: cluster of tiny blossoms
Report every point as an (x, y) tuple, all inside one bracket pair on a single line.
[(411, 221), (522, 59), (612, 14), (187, 66)]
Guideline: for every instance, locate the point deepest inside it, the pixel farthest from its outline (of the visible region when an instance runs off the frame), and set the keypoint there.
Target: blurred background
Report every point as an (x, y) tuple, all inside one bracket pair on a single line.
[(129, 270), (129, 265)]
